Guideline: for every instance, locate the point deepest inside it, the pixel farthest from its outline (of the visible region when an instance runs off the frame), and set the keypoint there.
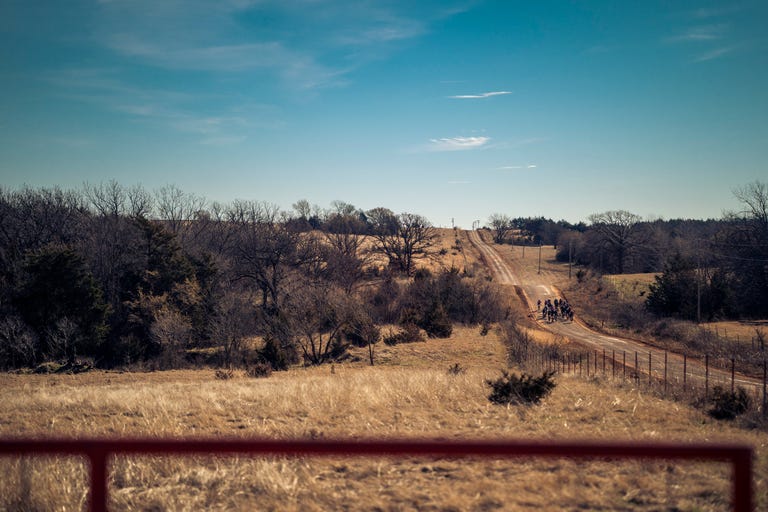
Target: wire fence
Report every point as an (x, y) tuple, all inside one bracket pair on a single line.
[(660, 371)]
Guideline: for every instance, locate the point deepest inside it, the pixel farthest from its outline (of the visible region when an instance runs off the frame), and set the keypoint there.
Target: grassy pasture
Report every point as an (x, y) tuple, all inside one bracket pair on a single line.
[(410, 394), (746, 332), (632, 287)]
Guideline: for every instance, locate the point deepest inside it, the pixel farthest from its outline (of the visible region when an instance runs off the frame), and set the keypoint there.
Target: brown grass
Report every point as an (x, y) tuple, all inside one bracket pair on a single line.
[(632, 287), (746, 333), (409, 394)]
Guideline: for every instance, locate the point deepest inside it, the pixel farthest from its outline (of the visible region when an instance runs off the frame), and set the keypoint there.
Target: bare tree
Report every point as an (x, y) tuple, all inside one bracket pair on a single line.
[(402, 238), (179, 211), (170, 329), (754, 196), (317, 312), (501, 225), (232, 324), (18, 345), (303, 209), (618, 230), (140, 203), (264, 251)]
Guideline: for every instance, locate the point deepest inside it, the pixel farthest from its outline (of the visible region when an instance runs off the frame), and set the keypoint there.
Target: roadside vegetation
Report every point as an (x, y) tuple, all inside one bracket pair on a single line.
[(704, 270), (667, 283)]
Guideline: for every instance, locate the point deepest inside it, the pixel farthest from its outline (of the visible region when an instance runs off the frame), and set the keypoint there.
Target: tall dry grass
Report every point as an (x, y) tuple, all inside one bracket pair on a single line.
[(412, 395)]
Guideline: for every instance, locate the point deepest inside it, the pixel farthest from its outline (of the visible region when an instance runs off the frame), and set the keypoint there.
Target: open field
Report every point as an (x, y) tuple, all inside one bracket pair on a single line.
[(747, 332), (632, 287), (410, 394)]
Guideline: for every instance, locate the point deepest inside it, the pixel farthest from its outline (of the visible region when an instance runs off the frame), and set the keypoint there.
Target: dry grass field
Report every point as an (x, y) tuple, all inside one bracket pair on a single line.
[(408, 394), (632, 287), (748, 332)]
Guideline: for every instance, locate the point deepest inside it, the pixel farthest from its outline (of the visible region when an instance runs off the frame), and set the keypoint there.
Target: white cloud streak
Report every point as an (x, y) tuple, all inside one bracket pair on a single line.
[(458, 143), (479, 96), (701, 34), (516, 167), (714, 54)]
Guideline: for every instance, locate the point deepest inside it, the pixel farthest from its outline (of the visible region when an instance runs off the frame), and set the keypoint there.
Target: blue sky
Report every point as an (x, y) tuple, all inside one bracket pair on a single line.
[(449, 109)]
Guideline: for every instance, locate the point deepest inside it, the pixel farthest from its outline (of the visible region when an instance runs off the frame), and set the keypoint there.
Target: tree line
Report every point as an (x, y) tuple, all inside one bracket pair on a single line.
[(709, 269), (123, 276)]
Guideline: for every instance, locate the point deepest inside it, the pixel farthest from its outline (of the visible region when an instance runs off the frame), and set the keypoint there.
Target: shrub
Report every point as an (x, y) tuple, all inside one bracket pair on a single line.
[(224, 374), (278, 356), (436, 322), (408, 334), (727, 405), (518, 342), (456, 369), (259, 370), (523, 389), (362, 331)]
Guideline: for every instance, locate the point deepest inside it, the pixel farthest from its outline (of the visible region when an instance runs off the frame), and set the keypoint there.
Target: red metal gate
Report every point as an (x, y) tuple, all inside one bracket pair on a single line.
[(98, 452)]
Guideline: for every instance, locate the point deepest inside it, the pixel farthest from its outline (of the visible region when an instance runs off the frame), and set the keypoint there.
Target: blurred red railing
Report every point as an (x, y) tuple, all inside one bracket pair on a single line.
[(98, 452)]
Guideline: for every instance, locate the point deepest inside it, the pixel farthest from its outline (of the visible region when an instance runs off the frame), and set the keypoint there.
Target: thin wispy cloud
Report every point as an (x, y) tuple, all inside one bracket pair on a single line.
[(302, 48), (714, 54), (700, 34), (516, 167), (707, 12), (479, 96), (458, 143)]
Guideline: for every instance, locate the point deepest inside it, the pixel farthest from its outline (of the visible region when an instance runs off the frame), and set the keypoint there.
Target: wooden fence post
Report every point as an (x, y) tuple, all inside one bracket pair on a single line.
[(665, 372), (650, 373), (765, 377), (685, 371), (706, 376)]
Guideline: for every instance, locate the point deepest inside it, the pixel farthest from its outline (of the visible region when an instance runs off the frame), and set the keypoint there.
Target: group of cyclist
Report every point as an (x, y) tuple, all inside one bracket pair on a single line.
[(552, 310)]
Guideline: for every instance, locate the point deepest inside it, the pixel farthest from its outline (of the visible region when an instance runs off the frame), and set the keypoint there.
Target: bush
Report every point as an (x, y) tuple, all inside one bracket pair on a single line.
[(362, 331), (727, 405), (410, 333), (436, 322), (456, 369), (523, 389), (224, 374), (278, 356), (259, 370)]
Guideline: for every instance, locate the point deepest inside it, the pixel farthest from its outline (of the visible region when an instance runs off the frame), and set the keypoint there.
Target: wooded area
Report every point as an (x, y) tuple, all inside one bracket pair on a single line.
[(123, 276)]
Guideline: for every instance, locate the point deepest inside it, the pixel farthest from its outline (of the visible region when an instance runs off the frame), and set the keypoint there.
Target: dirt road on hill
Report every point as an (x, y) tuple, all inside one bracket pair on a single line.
[(538, 286)]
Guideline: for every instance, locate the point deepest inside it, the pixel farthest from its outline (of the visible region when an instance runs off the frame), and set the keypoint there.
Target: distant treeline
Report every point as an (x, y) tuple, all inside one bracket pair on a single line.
[(123, 276), (716, 268)]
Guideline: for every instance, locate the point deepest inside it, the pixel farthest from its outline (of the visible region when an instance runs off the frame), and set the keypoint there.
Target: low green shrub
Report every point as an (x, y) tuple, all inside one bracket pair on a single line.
[(522, 389), (726, 405)]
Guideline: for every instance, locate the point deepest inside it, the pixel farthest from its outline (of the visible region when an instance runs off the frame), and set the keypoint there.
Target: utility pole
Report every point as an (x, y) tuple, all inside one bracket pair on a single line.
[(539, 272), (570, 252), (698, 286)]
